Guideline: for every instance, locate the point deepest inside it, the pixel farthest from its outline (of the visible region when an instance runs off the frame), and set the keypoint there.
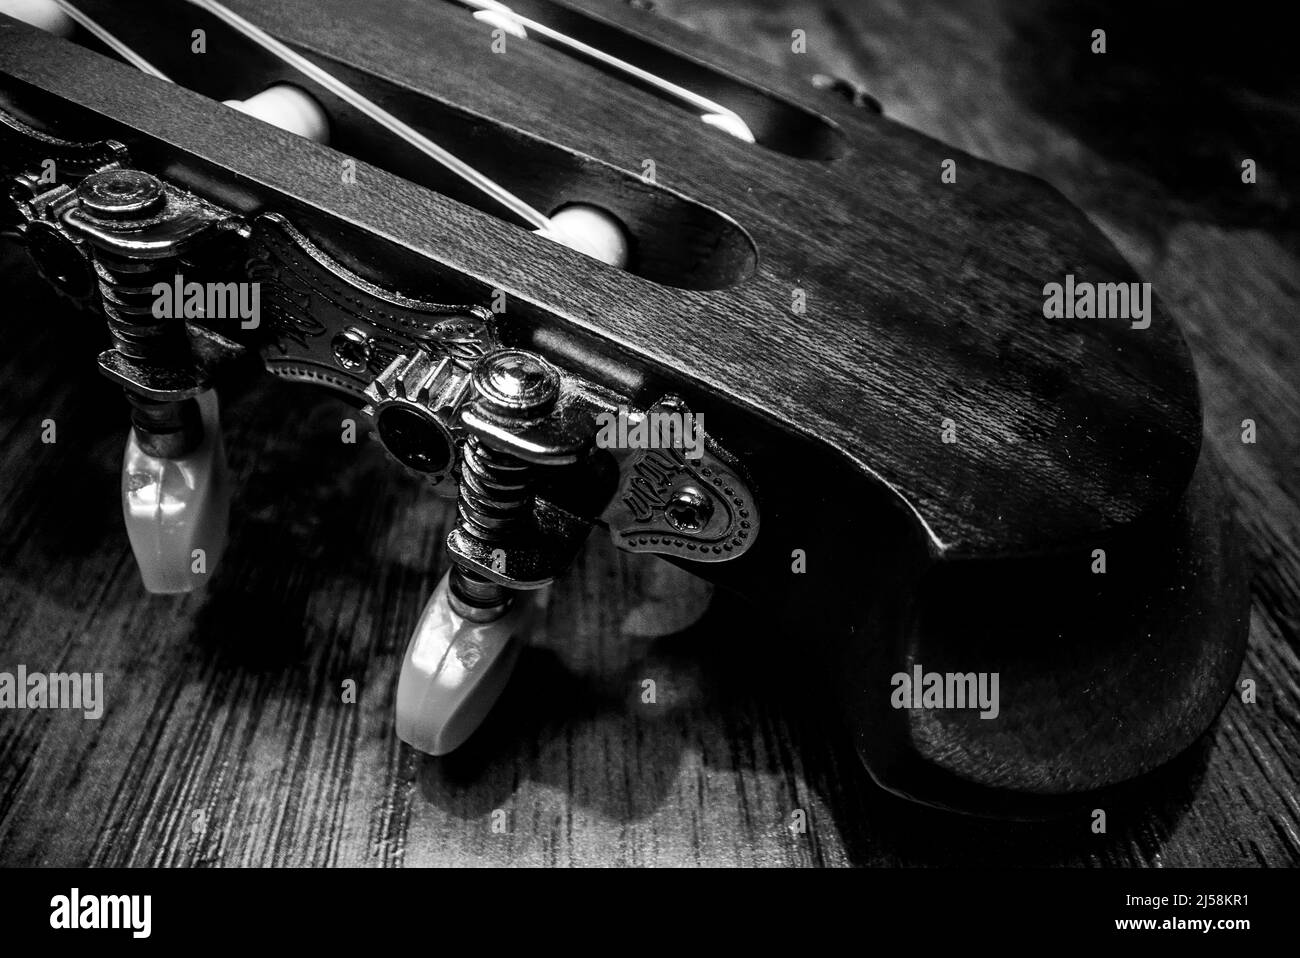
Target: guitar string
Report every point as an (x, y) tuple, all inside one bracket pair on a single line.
[(93, 27), (712, 112), (377, 114), (340, 89)]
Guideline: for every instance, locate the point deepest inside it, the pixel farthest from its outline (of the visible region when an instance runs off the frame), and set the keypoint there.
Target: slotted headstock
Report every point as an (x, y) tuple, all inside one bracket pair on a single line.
[(859, 313)]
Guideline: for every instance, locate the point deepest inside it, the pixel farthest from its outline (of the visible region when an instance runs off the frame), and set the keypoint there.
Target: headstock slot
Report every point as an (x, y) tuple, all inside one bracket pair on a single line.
[(676, 241), (914, 293), (776, 123)]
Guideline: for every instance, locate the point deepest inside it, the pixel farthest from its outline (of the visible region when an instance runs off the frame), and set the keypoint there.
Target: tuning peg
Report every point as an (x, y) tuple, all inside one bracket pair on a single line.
[(471, 631), (289, 108), (455, 667), (175, 486), (177, 507)]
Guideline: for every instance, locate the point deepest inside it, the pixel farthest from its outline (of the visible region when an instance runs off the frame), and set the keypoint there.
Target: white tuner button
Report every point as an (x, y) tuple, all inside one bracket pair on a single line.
[(729, 123), (455, 670), (289, 108), (177, 510), (590, 230)]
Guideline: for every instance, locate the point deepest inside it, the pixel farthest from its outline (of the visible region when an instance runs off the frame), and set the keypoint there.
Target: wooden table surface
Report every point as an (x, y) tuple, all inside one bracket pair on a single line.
[(225, 739)]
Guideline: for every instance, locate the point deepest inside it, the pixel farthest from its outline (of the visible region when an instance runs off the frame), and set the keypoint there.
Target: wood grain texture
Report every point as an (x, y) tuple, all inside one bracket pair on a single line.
[(926, 299), (225, 741)]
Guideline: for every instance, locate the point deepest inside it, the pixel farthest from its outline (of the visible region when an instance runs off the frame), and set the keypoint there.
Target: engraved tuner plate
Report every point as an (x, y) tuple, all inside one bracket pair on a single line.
[(329, 326), (669, 504)]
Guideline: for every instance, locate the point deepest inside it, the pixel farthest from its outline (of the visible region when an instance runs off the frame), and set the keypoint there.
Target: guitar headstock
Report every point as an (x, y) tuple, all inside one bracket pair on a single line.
[(735, 320)]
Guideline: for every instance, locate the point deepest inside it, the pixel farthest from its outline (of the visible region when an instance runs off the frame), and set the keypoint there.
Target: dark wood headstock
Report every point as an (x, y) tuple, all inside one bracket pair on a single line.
[(865, 339)]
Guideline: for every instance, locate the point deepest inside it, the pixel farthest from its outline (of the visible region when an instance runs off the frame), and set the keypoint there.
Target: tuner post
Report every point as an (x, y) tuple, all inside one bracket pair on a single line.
[(506, 548), (512, 387), (120, 201)]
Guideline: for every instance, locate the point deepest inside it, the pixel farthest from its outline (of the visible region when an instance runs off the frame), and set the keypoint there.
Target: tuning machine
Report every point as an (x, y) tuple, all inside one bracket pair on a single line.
[(533, 480), (175, 483), (515, 437), (109, 236), (511, 434)]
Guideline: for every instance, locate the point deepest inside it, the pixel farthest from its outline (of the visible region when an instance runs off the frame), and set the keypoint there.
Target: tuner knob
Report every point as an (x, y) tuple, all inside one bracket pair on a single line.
[(455, 668), (289, 108), (177, 508)]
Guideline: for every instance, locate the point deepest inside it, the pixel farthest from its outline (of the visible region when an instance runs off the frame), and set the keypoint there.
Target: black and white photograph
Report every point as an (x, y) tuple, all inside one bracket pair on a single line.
[(651, 435)]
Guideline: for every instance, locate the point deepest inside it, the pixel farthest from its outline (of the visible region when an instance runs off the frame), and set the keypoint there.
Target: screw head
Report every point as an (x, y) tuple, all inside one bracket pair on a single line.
[(688, 509), (352, 349), (515, 382), (121, 194)]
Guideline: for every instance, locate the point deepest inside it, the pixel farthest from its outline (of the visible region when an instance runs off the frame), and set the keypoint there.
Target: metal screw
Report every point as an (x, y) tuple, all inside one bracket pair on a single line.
[(516, 384), (688, 509), (121, 194), (352, 348)]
